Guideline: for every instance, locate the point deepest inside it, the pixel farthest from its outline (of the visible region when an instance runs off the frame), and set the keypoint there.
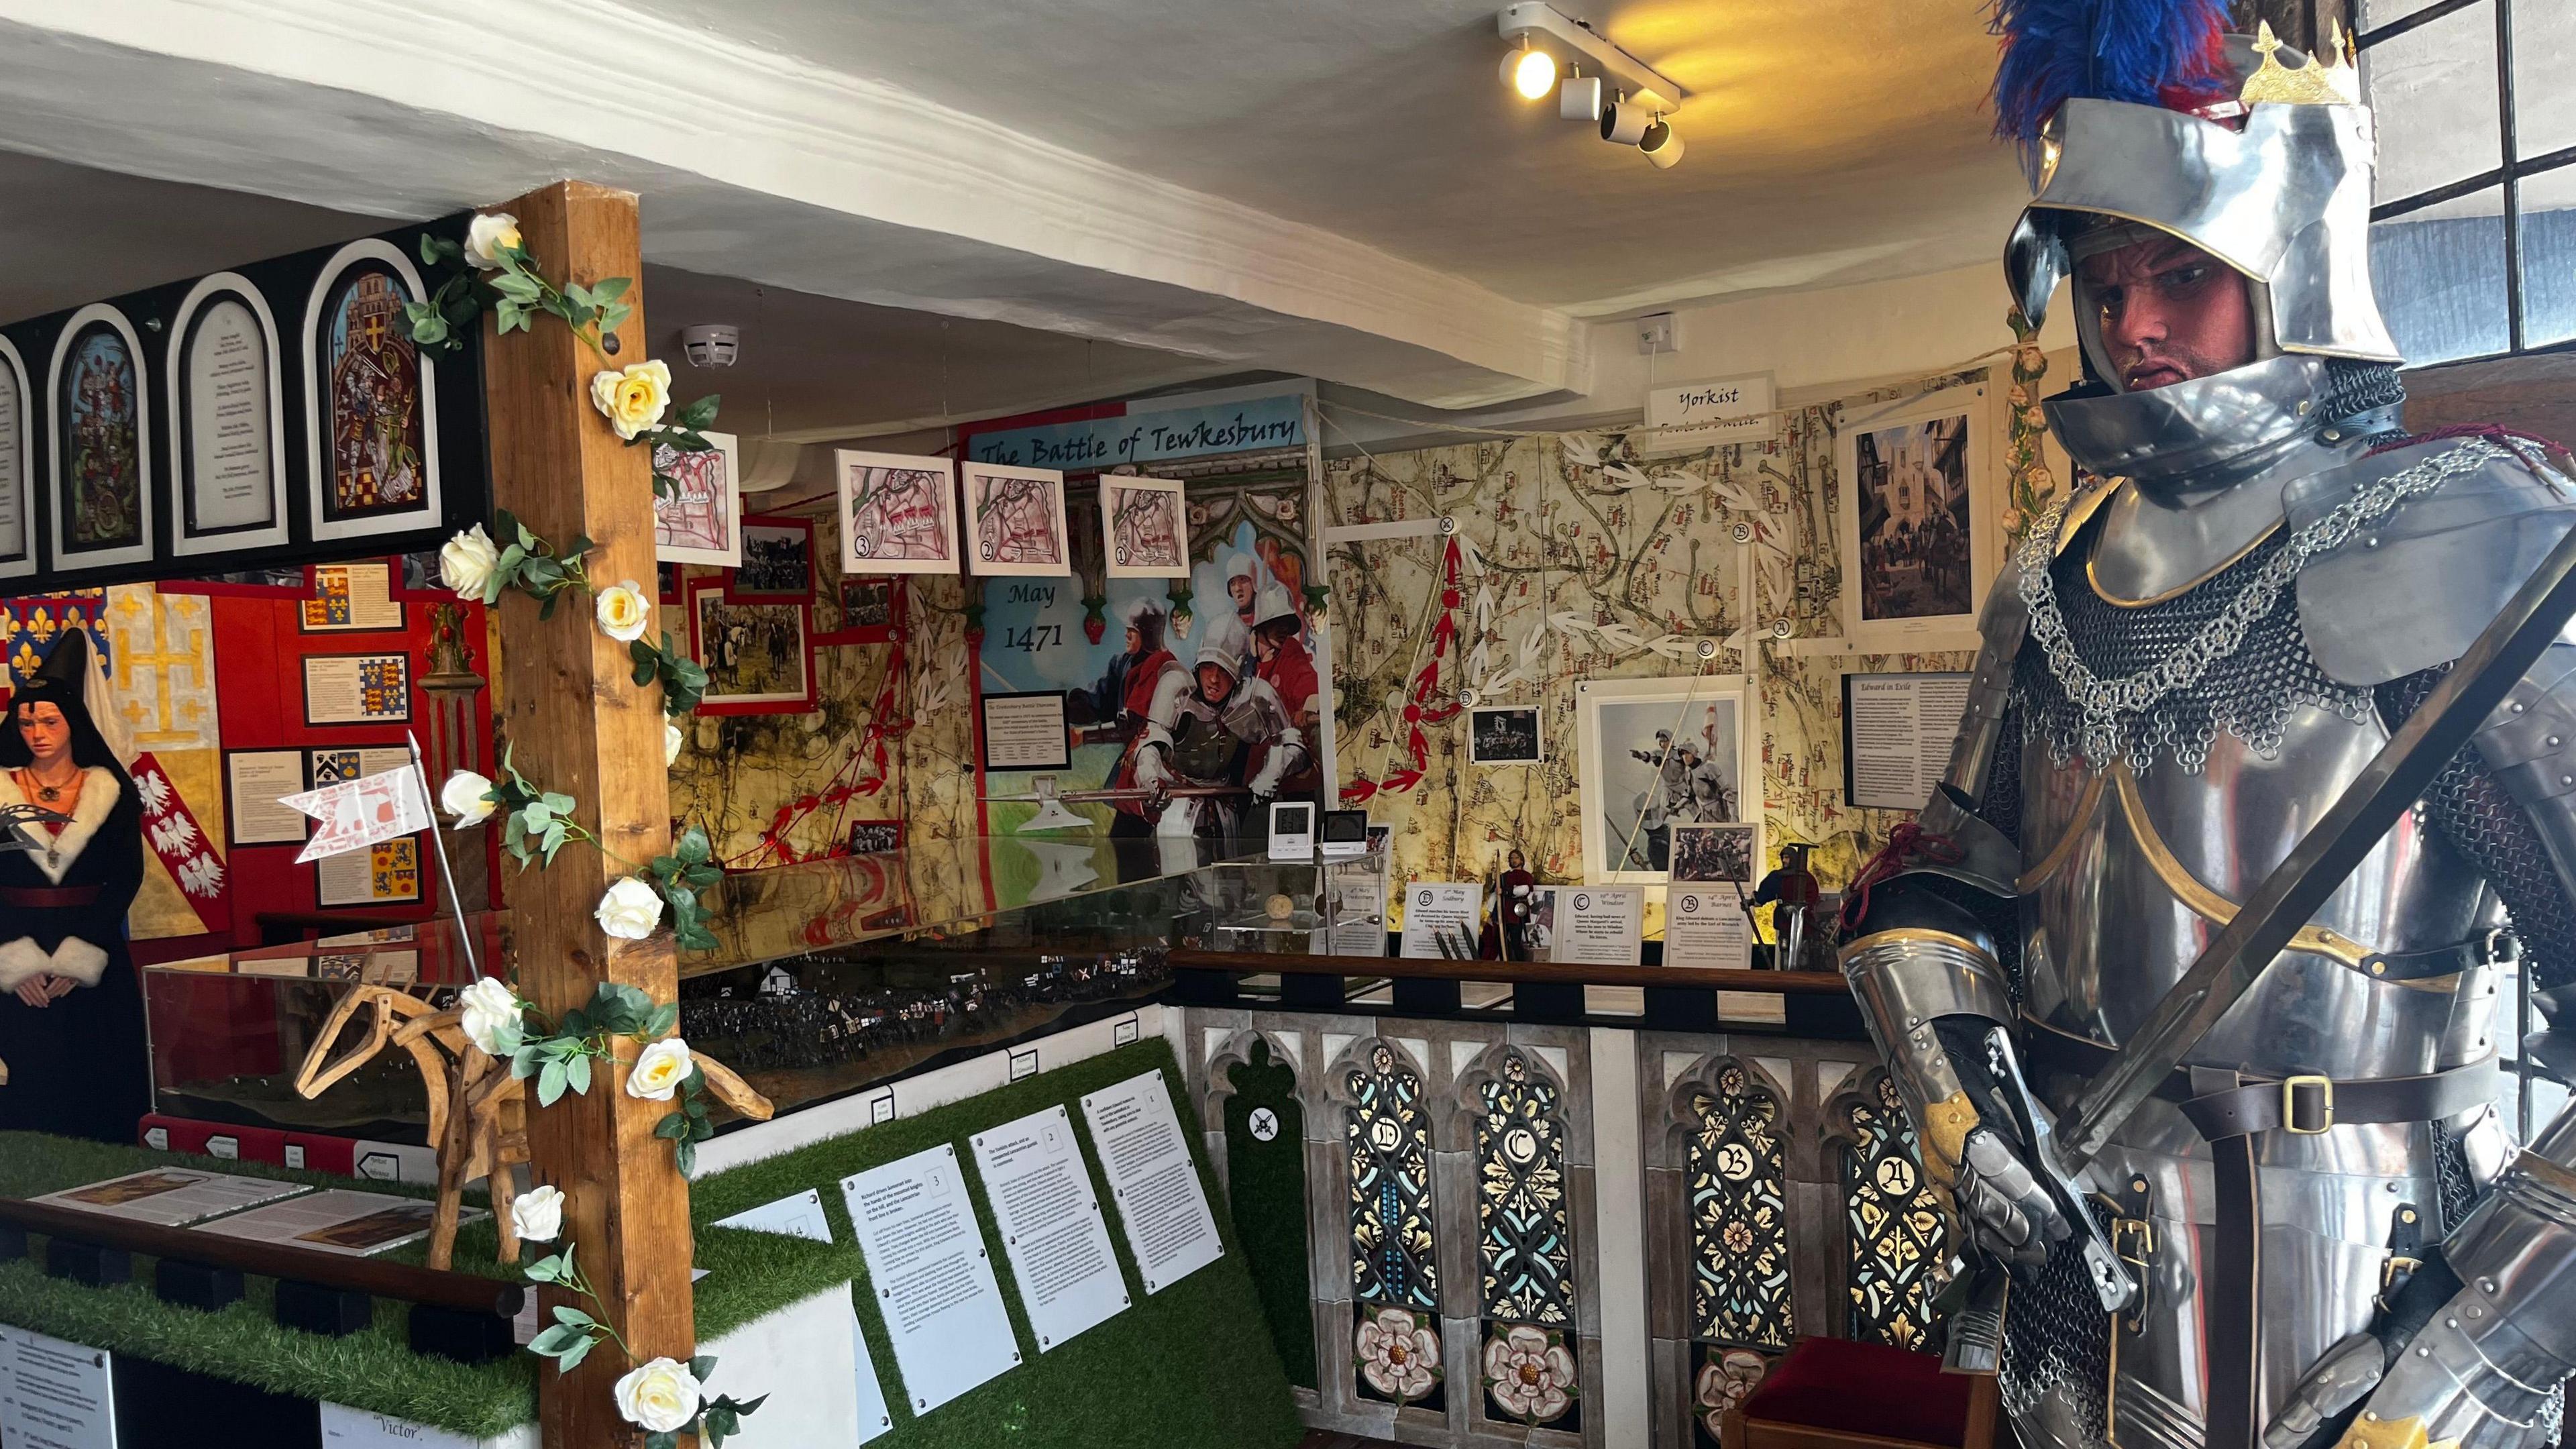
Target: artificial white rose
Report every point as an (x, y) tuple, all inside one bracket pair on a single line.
[(624, 612), (466, 563), (630, 910), (489, 235), (660, 1070), (632, 399), (463, 796), (672, 739), (661, 1396), (538, 1214), (491, 1016)]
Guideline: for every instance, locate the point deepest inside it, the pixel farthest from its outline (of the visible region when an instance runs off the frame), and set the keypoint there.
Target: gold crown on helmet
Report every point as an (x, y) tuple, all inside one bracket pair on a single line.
[(2313, 83)]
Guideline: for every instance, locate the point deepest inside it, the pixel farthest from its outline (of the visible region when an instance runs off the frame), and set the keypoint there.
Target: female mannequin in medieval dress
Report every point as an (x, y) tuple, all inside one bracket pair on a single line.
[(71, 1004)]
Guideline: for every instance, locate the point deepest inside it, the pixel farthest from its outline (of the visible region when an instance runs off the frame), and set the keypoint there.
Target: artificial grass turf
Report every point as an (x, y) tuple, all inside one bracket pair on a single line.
[(1191, 1366), (749, 1275)]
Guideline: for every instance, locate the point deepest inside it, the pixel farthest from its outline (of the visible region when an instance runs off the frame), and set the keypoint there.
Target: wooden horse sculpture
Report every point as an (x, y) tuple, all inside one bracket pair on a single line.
[(478, 1112)]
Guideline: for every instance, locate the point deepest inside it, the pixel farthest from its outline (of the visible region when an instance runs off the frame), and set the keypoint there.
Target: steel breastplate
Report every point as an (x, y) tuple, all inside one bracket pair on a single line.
[(2130, 869)]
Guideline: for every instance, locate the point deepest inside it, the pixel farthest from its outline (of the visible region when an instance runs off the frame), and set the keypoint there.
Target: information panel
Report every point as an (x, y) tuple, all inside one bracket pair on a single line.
[(1436, 913), (1051, 1225), (801, 1216), (934, 1285), (1599, 925), (1897, 733), (1153, 1180), (55, 1395)]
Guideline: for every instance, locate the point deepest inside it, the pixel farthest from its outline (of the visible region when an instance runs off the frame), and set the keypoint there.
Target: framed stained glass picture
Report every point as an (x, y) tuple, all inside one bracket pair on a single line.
[(370, 398), (17, 454), (101, 472), (227, 420)]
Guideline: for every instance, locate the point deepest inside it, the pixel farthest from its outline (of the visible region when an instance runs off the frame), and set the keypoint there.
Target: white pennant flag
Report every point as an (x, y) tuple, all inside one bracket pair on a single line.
[(358, 813)]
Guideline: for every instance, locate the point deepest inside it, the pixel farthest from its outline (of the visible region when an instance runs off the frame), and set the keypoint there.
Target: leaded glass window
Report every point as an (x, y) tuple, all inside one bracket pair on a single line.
[(1899, 1237), (1739, 1223), (1523, 1237), (1390, 1160)]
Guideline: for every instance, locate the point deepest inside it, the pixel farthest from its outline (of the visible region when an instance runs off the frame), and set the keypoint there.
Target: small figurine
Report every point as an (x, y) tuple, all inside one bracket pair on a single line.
[(1793, 895)]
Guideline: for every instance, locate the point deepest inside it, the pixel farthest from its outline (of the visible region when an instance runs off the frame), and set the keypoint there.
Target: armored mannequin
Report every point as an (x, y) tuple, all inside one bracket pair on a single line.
[(2320, 1228)]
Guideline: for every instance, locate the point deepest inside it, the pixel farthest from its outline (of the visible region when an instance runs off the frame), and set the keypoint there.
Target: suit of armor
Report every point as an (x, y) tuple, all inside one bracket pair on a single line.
[(2324, 1228)]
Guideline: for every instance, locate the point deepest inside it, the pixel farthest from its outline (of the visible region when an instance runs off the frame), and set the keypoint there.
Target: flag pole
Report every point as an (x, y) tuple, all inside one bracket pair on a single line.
[(446, 877)]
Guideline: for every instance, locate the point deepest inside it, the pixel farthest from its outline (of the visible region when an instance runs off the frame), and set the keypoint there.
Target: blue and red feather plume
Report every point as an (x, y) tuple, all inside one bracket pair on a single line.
[(2170, 53)]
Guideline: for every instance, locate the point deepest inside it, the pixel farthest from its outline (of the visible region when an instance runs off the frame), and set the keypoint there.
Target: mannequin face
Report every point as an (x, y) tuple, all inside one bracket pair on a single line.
[(2168, 312), (47, 733)]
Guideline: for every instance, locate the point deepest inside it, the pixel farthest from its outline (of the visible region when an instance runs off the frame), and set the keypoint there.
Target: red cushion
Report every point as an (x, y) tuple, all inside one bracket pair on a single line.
[(1864, 1388)]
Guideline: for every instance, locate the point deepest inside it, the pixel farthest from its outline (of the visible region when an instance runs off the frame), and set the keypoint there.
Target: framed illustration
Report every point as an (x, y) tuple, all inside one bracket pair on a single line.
[(1144, 527), (1656, 753), (227, 405), (701, 522), (17, 466), (1506, 734), (1015, 517), (755, 651), (370, 398), (101, 473), (1918, 540), (898, 513), (777, 559), (341, 689)]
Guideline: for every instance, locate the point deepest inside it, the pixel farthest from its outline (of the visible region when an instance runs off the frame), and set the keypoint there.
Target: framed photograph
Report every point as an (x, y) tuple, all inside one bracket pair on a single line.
[(1918, 541), (755, 651), (1656, 753), (874, 837), (867, 603), (357, 689), (777, 559), (101, 457), (898, 513), (17, 466), (370, 398), (1015, 517), (666, 583), (227, 421), (701, 522), (1144, 527), (1713, 854), (1504, 735)]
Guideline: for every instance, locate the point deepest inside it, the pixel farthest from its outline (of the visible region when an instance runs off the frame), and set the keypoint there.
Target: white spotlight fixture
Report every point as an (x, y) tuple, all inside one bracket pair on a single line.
[(1543, 29), (1662, 144), (1578, 98), (1623, 121), (1529, 71)]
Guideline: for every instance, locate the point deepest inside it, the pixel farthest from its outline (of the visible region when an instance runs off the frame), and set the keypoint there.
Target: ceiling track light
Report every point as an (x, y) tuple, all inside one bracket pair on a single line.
[(1542, 29), (1530, 71), (1662, 144)]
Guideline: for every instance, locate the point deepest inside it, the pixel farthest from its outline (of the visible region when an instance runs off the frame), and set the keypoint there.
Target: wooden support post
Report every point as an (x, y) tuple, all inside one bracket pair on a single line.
[(580, 725)]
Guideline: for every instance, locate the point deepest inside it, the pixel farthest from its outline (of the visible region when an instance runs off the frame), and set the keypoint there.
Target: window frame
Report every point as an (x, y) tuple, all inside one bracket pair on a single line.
[(2508, 176)]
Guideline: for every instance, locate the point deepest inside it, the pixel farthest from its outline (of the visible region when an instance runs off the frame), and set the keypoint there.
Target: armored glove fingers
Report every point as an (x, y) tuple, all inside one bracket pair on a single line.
[(2012, 1217), (2350, 1369)]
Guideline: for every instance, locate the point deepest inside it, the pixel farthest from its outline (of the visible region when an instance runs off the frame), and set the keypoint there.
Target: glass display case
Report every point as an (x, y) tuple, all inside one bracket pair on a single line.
[(829, 976)]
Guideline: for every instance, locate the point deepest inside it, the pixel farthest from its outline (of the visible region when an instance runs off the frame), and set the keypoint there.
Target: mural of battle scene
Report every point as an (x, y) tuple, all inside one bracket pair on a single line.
[(375, 425), (1188, 702)]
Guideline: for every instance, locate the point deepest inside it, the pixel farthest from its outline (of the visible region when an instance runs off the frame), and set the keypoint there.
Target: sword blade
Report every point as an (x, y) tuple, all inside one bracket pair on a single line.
[(2292, 894)]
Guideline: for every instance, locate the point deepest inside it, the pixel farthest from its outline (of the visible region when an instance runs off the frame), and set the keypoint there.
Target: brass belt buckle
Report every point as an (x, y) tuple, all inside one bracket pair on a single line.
[(2322, 1104)]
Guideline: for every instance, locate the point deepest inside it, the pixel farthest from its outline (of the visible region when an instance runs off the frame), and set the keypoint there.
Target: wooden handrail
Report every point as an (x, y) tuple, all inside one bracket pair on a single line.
[(461, 1292), (1711, 978)]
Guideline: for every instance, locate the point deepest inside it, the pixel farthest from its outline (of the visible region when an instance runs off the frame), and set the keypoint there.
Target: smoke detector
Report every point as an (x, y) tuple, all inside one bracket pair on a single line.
[(711, 344)]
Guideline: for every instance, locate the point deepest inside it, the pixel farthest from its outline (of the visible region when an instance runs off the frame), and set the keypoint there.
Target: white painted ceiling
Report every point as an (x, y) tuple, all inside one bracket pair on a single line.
[(1827, 140), (1177, 190), (811, 367)]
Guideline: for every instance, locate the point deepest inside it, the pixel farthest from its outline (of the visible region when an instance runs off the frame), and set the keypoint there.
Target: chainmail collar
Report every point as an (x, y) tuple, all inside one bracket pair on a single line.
[(2177, 695)]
